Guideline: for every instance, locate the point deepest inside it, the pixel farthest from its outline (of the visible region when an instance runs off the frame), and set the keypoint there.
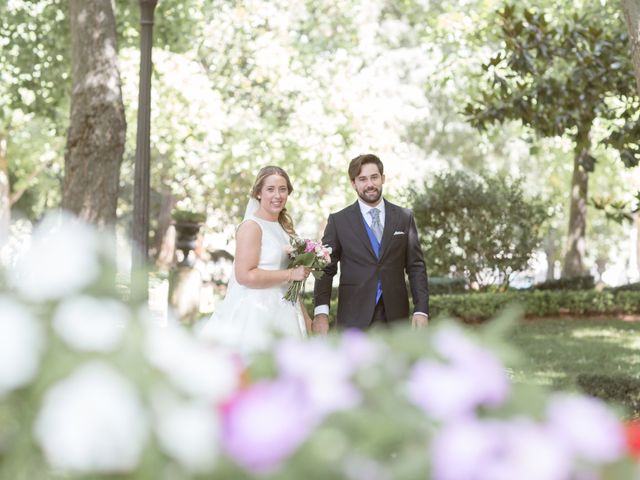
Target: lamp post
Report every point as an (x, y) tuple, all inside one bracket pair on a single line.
[(140, 227)]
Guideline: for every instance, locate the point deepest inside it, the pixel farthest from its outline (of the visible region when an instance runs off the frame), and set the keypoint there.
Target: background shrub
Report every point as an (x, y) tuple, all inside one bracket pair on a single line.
[(482, 227)]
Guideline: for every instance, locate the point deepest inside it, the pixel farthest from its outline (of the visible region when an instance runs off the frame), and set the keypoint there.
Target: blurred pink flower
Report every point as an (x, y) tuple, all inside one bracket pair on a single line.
[(632, 433), (359, 348), (527, 452), (443, 391), (497, 450), (588, 429), (473, 377), (460, 449), (322, 370), (265, 423)]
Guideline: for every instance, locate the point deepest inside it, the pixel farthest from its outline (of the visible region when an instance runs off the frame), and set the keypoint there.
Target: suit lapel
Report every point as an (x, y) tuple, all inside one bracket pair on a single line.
[(390, 221), (357, 222)]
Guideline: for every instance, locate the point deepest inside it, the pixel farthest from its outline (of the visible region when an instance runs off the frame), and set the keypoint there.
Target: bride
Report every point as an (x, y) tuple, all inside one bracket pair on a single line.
[(253, 311)]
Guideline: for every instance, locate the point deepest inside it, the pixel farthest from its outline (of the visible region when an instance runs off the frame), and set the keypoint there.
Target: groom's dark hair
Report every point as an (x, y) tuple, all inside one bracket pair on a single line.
[(356, 164)]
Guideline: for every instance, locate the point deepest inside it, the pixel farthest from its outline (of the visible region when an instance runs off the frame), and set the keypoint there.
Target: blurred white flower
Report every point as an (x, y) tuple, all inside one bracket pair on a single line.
[(92, 421), (587, 427), (61, 259), (91, 324), (190, 433), (192, 366), (21, 341)]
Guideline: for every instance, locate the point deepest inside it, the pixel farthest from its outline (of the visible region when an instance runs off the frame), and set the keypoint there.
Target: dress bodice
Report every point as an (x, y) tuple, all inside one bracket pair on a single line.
[(273, 254)]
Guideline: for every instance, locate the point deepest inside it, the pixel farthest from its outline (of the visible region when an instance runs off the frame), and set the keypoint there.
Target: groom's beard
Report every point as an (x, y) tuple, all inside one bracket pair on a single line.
[(371, 195)]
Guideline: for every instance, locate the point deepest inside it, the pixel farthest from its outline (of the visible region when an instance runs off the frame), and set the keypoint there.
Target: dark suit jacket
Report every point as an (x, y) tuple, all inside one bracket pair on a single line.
[(360, 268)]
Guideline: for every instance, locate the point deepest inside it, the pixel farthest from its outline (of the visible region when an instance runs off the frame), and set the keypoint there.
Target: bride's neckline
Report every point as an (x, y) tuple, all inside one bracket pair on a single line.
[(265, 220)]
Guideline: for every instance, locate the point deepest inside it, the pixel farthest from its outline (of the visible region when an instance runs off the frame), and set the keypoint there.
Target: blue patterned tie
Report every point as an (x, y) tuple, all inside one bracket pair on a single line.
[(376, 226)]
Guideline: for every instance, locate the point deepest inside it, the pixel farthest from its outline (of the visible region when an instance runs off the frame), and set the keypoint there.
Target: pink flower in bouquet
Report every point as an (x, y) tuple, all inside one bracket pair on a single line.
[(309, 246), (324, 253)]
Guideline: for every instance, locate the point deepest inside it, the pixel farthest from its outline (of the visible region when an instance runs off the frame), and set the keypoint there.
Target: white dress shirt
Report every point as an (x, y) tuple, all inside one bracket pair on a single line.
[(365, 209)]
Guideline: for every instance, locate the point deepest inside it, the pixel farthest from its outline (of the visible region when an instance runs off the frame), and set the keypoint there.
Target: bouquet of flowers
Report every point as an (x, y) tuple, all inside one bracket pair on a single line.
[(308, 253)]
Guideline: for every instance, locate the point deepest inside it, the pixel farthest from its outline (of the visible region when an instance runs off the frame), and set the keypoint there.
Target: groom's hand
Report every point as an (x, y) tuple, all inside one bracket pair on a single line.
[(419, 321), (320, 325)]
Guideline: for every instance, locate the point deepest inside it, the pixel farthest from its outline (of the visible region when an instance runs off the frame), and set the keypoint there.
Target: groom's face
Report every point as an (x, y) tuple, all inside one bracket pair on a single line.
[(368, 183)]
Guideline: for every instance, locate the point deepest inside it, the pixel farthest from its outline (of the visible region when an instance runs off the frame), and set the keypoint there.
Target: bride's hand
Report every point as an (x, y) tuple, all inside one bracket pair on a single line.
[(300, 273)]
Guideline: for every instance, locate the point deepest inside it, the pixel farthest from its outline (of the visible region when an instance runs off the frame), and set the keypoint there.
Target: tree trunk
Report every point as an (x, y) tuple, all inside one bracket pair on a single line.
[(631, 9), (95, 142), (5, 208), (551, 244), (573, 264)]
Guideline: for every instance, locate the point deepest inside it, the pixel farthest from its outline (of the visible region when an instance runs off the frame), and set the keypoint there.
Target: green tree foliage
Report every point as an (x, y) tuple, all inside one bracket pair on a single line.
[(275, 71), (305, 88), (34, 58), (35, 69), (34, 84), (559, 76), (480, 227)]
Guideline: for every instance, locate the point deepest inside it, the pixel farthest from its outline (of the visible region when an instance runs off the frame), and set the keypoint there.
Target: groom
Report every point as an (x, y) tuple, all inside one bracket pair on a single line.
[(375, 242)]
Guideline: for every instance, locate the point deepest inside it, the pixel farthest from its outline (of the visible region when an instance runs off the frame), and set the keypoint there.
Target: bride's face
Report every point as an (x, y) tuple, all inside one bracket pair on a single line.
[(273, 195)]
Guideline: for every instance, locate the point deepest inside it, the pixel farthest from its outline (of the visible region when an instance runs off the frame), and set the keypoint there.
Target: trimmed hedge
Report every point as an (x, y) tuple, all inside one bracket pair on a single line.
[(447, 285), (629, 287), (477, 307), (585, 282)]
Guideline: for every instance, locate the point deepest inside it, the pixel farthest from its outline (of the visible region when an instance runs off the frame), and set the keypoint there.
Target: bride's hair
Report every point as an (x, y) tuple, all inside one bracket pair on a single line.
[(284, 219)]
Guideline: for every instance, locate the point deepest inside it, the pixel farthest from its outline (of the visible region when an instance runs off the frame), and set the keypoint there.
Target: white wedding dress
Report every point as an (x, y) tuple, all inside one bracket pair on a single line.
[(249, 319)]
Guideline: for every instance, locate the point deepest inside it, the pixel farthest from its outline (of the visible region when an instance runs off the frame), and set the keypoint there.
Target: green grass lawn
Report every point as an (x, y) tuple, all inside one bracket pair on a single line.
[(556, 351)]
